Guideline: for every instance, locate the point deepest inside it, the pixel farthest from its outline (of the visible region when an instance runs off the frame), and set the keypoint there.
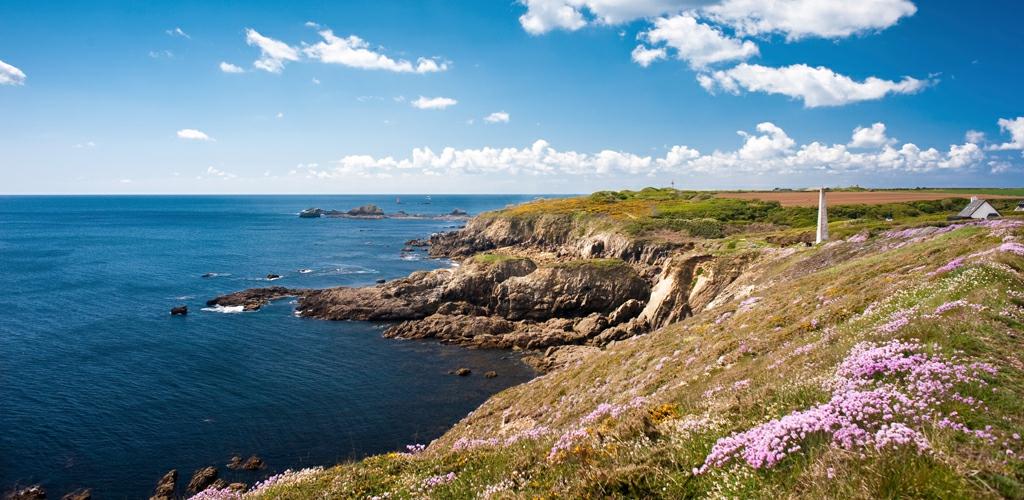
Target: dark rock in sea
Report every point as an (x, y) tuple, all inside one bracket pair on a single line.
[(253, 463), (273, 276), (202, 479), (255, 298), (165, 486), (35, 492), (80, 494), (408, 249), (311, 213), (381, 281), (209, 275), (238, 487), (235, 462), (368, 210), (179, 311), (462, 372), (459, 212), (417, 243), (491, 374)]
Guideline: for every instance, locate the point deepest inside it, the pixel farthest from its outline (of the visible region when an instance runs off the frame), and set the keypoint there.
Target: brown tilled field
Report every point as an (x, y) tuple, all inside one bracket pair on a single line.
[(810, 198)]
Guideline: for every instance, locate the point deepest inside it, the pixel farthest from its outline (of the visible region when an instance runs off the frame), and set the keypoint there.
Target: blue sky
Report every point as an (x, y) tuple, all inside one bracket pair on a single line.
[(132, 97)]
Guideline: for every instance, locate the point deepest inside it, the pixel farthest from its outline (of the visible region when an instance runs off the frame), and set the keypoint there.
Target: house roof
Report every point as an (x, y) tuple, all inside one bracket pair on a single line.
[(972, 207)]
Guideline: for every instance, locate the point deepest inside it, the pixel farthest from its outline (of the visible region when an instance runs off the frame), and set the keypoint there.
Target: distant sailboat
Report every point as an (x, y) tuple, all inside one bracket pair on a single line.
[(398, 201)]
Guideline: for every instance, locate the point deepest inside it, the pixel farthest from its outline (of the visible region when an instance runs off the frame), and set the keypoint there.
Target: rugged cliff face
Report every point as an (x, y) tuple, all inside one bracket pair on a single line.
[(532, 283), (561, 234)]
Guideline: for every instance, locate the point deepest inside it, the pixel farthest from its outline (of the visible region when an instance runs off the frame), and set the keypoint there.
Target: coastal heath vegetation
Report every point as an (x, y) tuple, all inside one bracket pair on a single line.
[(882, 364)]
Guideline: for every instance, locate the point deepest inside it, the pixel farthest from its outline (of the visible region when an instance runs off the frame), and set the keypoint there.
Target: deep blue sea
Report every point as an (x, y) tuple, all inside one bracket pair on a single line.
[(101, 388)]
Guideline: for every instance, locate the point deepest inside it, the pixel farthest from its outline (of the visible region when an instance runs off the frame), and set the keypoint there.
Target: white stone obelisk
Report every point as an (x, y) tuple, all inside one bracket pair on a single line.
[(822, 218)]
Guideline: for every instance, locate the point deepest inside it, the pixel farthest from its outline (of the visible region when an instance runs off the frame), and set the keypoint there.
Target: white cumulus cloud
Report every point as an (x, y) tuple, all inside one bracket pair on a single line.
[(273, 53), (644, 56), (355, 52), (1015, 128), (816, 87), (433, 102), (230, 68), (697, 43), (798, 19), (9, 75), (192, 134), (497, 117), (769, 150), (870, 137), (543, 16)]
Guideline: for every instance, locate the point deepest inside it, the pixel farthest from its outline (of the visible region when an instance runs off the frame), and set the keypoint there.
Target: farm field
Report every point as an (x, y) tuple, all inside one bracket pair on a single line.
[(810, 198)]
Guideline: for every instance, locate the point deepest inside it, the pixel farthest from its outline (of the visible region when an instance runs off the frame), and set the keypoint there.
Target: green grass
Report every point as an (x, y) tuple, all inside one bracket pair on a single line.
[(702, 215), (828, 298)]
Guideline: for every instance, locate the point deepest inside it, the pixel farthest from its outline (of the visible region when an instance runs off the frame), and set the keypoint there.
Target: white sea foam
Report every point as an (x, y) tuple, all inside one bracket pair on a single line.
[(305, 271), (225, 309)]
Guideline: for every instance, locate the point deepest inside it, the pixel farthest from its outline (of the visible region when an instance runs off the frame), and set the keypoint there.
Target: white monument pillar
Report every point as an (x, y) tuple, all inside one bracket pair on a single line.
[(822, 218)]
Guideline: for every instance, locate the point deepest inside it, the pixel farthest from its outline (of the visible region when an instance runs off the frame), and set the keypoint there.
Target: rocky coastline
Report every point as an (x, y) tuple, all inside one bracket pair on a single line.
[(549, 285)]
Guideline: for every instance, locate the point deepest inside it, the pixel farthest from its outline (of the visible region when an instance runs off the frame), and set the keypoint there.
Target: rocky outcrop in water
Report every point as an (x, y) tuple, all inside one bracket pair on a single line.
[(35, 492), (255, 298), (165, 486), (202, 479)]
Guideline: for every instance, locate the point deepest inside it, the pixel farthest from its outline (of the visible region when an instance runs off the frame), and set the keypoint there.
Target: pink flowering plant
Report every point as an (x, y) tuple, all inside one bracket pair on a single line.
[(883, 396)]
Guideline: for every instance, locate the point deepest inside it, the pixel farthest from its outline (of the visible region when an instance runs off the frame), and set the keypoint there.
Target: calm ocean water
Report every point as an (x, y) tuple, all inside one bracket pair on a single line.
[(100, 387)]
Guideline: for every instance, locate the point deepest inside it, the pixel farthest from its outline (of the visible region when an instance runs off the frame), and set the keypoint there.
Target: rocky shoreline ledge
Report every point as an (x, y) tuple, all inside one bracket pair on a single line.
[(538, 285)]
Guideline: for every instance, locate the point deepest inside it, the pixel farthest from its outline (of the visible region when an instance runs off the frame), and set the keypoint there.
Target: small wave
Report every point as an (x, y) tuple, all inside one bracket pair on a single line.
[(225, 309), (185, 297), (305, 271), (215, 275), (350, 270)]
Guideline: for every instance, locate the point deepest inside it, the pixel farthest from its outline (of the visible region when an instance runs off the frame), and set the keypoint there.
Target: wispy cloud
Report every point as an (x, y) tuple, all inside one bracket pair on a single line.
[(10, 75), (355, 52), (191, 134), (434, 102), (227, 67), (273, 53), (497, 117), (177, 32), (815, 86)]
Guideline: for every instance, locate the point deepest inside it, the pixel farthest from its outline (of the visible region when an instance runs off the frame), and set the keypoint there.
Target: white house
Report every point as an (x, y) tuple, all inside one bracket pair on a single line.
[(978, 209)]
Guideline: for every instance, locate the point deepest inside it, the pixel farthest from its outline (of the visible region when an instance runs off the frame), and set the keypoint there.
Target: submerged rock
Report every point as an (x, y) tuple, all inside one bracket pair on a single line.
[(253, 463), (179, 311), (79, 494), (165, 486), (463, 372), (273, 276), (202, 479), (34, 492), (491, 374)]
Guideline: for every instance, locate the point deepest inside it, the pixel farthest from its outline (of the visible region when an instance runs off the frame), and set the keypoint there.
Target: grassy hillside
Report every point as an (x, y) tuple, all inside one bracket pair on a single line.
[(703, 215), (885, 365)]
